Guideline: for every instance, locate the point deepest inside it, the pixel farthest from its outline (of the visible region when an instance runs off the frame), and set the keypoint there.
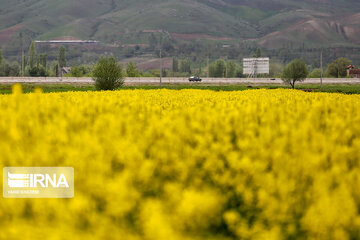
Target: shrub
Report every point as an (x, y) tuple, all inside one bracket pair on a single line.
[(75, 72), (131, 70), (338, 67), (108, 74), (39, 71), (316, 73)]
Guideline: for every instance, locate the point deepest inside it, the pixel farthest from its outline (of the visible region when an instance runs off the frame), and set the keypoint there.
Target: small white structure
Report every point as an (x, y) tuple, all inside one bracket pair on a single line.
[(65, 70), (255, 66)]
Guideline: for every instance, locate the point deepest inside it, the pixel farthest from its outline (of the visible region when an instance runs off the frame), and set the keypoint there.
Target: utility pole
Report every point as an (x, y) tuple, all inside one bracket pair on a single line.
[(207, 66), (22, 55), (160, 67), (22, 64), (59, 71), (200, 69), (321, 66)]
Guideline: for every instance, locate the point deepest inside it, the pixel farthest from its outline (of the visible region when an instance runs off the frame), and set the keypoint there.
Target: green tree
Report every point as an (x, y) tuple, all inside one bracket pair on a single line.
[(43, 60), (2, 66), (295, 71), (239, 72), (258, 53), (37, 71), (285, 55), (153, 41), (275, 70), (80, 71), (32, 55), (76, 72), (218, 69), (14, 69), (153, 73), (212, 70), (10, 69), (1, 57), (34, 68), (108, 74), (175, 65), (167, 46), (131, 70), (42, 72), (23, 64), (338, 68), (54, 69), (199, 72), (186, 66), (230, 69), (86, 70), (316, 73), (62, 57)]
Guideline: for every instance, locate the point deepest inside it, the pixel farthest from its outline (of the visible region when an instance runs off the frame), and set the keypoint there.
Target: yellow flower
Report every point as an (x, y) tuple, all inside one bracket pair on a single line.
[(189, 164)]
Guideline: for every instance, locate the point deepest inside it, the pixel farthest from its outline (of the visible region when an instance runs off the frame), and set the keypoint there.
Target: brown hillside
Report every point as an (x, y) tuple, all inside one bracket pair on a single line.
[(7, 34), (314, 31)]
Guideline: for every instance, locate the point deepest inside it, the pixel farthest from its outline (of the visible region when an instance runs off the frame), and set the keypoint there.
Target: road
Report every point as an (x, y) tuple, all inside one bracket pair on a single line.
[(152, 81)]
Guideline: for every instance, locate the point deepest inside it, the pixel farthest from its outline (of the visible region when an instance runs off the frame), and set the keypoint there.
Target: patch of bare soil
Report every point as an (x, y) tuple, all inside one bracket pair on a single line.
[(7, 34), (155, 64), (188, 36)]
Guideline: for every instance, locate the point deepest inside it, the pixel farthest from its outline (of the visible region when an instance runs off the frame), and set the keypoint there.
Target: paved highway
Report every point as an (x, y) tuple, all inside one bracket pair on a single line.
[(144, 81)]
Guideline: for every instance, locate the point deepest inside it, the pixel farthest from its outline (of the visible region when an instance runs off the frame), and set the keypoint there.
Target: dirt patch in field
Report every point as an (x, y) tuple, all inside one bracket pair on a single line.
[(155, 64), (152, 31), (66, 38), (7, 34), (187, 36), (135, 45)]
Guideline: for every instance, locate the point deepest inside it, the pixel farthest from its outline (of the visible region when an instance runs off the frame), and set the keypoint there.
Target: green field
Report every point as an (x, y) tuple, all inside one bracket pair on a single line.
[(331, 88)]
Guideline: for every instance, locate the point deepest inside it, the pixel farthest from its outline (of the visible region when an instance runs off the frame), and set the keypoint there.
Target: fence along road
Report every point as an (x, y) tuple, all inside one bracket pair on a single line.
[(152, 81)]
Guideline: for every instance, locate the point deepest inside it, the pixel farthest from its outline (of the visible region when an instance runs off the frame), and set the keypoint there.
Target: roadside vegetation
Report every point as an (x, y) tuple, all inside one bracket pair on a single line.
[(38, 65), (47, 88)]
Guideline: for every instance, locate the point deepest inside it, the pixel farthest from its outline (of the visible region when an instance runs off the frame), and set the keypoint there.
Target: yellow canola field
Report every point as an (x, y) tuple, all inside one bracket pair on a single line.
[(189, 164)]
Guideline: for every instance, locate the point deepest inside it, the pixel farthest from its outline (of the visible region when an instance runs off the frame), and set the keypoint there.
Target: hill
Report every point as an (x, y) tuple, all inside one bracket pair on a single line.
[(272, 24)]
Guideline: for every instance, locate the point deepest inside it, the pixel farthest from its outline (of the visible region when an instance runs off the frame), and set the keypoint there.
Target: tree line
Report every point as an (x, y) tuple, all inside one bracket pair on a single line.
[(297, 71), (108, 73), (36, 65)]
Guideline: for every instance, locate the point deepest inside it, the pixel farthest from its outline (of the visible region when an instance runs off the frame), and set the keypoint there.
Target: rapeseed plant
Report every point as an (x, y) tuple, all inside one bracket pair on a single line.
[(189, 164)]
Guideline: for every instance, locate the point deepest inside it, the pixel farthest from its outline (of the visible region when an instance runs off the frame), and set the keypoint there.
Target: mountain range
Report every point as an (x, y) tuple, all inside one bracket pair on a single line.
[(270, 23)]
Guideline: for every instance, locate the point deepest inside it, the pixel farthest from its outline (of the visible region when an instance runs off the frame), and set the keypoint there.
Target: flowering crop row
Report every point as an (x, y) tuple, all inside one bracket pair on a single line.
[(189, 164)]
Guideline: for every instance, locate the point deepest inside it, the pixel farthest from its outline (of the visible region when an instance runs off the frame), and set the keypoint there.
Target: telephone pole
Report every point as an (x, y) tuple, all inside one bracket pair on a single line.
[(160, 67), (207, 66), (22, 55), (321, 66)]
